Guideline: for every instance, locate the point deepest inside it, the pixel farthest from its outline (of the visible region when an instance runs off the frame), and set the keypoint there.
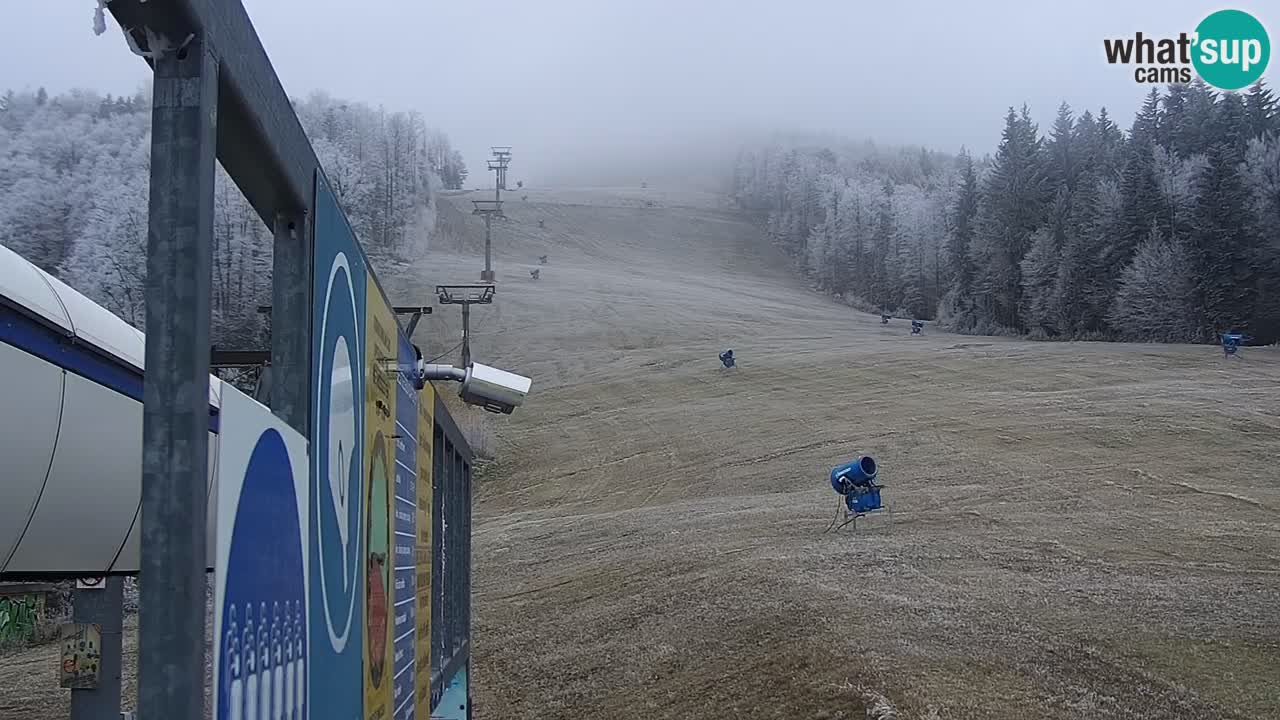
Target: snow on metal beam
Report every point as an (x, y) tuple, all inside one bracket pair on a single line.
[(260, 139)]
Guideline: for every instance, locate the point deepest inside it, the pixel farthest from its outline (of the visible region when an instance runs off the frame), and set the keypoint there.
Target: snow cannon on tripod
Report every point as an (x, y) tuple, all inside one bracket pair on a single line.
[(1231, 343), (857, 484)]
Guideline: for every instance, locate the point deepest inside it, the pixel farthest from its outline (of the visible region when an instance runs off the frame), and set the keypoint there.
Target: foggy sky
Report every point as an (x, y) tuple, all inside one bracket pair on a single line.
[(578, 85)]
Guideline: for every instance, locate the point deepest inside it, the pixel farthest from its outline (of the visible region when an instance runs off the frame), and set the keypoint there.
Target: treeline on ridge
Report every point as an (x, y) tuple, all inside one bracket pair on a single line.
[(1168, 232), (74, 186)]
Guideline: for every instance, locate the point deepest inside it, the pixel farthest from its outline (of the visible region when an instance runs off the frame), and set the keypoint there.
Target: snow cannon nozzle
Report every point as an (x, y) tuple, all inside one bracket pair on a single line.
[(859, 473)]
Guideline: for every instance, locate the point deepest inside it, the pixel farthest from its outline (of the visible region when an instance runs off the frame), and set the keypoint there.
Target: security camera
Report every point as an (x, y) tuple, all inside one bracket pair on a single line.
[(495, 390)]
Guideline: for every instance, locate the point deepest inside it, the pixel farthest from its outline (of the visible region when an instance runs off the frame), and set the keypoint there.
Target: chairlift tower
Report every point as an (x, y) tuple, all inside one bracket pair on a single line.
[(466, 296), (493, 208), (501, 159), (489, 209)]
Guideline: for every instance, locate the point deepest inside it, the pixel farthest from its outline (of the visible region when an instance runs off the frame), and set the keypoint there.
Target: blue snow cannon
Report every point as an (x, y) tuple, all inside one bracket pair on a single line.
[(858, 473), (917, 327), (726, 357), (856, 481), (1231, 343)]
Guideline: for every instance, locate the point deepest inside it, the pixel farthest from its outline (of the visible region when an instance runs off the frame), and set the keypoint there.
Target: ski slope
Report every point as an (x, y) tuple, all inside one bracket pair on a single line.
[(1081, 530)]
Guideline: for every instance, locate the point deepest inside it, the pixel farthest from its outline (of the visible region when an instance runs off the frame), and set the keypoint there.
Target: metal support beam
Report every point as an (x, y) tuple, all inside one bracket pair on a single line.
[(466, 335), (175, 414), (487, 275), (104, 607), (238, 358), (291, 322), (415, 313), (260, 139)]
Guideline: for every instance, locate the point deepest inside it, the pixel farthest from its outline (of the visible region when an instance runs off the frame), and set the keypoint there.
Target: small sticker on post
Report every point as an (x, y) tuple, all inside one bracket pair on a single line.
[(81, 655)]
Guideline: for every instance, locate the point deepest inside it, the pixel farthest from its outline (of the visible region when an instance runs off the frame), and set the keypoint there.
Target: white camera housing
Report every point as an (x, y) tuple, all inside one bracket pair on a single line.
[(495, 390)]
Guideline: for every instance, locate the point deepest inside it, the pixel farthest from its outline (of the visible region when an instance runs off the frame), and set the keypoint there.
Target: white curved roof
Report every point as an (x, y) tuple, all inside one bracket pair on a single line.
[(60, 305), (28, 286), (98, 326), (71, 430)]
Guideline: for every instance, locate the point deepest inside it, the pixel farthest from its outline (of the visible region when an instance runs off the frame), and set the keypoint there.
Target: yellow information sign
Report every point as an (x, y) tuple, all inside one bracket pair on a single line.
[(379, 413), (422, 662)]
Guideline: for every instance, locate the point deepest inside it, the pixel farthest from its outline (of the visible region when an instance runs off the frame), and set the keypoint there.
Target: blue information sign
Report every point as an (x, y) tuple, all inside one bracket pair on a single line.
[(336, 608), (260, 657)]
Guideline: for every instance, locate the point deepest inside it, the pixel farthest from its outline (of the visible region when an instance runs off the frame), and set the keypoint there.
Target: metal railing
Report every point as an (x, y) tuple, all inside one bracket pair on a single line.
[(450, 552)]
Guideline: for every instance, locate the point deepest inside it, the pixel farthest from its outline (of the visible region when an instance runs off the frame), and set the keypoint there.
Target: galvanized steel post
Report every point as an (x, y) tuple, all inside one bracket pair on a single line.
[(175, 416), (105, 607)]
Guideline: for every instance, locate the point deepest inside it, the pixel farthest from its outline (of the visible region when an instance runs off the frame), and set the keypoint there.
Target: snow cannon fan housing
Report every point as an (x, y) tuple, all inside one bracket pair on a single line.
[(856, 481), (859, 473)]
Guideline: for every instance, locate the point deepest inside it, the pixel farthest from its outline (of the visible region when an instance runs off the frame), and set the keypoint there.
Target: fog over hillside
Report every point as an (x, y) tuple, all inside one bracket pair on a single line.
[(574, 83)]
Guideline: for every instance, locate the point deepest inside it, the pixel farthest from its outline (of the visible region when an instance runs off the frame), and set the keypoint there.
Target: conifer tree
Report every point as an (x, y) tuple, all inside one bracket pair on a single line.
[(1039, 274), (1261, 111), (1153, 300), (1223, 249), (1140, 206), (1062, 163), (1011, 208)]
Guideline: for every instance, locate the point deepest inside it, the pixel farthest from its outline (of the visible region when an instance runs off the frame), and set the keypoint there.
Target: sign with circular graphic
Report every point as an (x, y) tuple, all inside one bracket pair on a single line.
[(260, 605), (336, 551), (338, 455), (378, 570), (381, 334)]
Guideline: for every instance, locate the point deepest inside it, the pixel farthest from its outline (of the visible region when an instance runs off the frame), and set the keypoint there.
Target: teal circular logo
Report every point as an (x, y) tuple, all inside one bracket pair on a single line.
[(1232, 49)]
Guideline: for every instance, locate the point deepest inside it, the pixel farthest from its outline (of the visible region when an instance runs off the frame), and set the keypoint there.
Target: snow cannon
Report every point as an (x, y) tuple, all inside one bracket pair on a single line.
[(856, 482), (1231, 343), (917, 327), (884, 319), (726, 357)]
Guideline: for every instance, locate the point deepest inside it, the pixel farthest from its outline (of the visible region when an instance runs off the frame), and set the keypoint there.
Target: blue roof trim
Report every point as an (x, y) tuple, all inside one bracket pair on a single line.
[(55, 346)]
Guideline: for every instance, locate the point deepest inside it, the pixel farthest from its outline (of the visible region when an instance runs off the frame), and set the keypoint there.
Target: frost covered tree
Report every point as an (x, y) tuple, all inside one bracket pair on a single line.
[(1154, 300), (1223, 246), (1262, 111), (74, 188), (1046, 236), (1261, 173), (1012, 206), (958, 304), (1039, 277)]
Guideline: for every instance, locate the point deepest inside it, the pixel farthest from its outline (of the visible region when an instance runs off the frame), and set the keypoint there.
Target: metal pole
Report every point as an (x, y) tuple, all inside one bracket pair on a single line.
[(488, 244), (291, 322), (466, 335), (175, 413), (105, 607)]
